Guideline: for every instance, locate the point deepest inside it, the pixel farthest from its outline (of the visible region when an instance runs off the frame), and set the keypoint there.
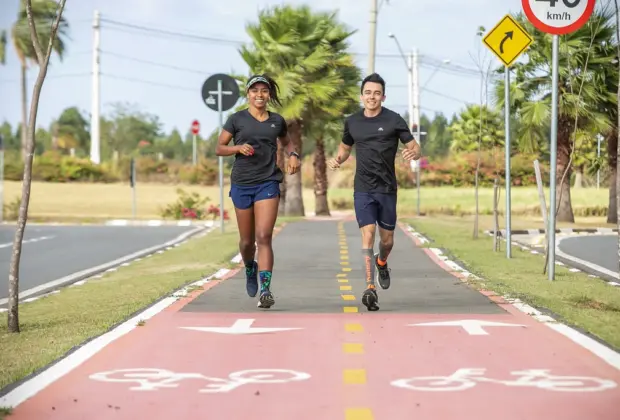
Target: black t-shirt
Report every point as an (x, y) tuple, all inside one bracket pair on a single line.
[(376, 140), (263, 137)]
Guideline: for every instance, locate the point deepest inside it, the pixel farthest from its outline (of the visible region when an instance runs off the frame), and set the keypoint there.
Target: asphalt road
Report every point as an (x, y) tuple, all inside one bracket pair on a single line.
[(601, 250), (52, 252)]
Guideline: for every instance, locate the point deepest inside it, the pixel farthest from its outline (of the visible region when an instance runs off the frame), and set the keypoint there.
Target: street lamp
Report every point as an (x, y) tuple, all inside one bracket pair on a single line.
[(413, 91)]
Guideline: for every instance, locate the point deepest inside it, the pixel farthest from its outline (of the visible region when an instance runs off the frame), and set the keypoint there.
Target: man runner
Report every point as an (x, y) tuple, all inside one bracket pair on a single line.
[(376, 131)]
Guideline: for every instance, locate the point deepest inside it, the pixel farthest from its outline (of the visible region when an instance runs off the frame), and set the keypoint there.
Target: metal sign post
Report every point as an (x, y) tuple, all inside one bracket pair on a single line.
[(195, 131), (556, 17), (226, 93), (508, 40)]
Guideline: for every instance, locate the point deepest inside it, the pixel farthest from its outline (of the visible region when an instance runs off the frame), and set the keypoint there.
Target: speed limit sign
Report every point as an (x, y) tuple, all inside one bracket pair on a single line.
[(558, 17)]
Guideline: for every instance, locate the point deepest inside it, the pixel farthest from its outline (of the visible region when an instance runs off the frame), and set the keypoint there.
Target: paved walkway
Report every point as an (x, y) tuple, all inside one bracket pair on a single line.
[(436, 350)]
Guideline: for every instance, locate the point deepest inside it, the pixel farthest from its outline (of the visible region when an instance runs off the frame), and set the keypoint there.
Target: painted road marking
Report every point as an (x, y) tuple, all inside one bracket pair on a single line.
[(341, 275), (353, 327), (471, 326), (347, 297), (343, 281), (241, 326), (354, 376), (466, 378), (358, 414), (350, 309), (344, 263), (153, 379), (344, 257), (345, 288), (353, 348), (346, 269), (26, 241)]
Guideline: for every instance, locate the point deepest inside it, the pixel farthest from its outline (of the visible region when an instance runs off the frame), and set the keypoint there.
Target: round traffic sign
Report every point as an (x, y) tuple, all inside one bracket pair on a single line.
[(195, 127), (558, 17), (229, 92)]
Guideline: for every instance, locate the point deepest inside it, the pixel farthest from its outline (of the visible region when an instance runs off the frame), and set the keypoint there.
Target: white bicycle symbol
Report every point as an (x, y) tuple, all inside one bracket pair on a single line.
[(154, 379), (539, 378)]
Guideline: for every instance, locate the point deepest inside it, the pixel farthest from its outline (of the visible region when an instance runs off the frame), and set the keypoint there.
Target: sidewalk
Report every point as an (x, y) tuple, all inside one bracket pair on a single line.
[(318, 354)]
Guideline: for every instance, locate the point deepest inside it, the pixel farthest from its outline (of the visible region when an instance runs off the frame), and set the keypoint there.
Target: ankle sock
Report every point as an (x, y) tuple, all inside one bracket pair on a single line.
[(265, 280)]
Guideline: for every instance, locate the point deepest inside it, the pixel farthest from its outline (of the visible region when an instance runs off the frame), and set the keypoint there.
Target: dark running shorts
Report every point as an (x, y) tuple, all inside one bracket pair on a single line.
[(371, 208), (244, 197)]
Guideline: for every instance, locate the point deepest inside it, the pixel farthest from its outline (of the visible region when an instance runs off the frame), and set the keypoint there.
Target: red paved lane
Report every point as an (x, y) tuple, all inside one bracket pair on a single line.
[(160, 352)]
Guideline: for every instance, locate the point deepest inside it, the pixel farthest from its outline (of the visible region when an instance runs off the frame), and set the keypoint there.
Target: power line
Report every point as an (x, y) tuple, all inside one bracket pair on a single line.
[(154, 63)]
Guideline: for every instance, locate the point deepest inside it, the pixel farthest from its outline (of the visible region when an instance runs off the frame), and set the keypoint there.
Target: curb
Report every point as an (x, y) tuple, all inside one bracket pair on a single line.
[(598, 231), (81, 277), (563, 261), (127, 222), (588, 341)]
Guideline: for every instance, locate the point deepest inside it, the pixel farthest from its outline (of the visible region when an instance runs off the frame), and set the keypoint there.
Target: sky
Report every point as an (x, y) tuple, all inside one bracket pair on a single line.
[(163, 74)]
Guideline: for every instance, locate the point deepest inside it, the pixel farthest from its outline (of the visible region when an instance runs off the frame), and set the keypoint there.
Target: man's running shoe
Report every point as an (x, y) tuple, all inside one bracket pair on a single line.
[(266, 299), (370, 299), (383, 274), (251, 279)]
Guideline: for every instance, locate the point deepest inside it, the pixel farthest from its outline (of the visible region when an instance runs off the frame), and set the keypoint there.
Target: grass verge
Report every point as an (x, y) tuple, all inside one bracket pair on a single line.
[(584, 302), (54, 325)]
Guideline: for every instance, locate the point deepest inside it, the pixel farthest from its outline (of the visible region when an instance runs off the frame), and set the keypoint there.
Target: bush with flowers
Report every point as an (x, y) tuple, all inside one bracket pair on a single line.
[(191, 206)]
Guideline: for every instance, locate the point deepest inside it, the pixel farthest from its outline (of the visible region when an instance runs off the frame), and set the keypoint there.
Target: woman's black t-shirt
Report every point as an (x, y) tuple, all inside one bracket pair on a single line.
[(263, 137)]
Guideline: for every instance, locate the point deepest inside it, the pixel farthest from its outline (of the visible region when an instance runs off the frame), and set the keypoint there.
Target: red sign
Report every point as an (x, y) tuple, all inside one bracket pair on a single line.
[(558, 17), (195, 127)]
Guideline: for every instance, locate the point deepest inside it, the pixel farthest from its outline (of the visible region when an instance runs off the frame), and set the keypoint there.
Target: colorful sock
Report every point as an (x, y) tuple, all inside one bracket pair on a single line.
[(265, 280), (369, 267)]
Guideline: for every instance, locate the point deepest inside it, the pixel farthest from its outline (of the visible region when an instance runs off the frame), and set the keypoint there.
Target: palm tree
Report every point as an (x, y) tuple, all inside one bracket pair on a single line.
[(44, 14), (305, 52), (582, 56)]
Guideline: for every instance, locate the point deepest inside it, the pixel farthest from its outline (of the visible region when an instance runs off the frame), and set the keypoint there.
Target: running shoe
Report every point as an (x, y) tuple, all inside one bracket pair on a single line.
[(266, 299), (251, 279), (370, 299), (383, 274)]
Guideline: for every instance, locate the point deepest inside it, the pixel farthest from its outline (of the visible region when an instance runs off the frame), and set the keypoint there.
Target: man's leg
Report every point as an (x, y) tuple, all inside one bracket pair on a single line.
[(387, 224), (366, 212)]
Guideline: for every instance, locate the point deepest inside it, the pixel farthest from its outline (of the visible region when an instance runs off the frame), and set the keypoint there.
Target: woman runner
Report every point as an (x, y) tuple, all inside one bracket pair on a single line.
[(256, 178)]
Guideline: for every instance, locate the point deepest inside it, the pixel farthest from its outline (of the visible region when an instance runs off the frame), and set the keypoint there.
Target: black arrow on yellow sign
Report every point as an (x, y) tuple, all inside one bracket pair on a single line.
[(501, 44)]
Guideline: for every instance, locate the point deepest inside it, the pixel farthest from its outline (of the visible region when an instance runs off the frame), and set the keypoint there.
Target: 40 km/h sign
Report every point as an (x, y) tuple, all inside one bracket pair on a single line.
[(558, 17)]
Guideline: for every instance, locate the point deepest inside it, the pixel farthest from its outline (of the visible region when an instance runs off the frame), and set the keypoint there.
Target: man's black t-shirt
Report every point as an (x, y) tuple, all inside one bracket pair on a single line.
[(376, 143), (263, 137)]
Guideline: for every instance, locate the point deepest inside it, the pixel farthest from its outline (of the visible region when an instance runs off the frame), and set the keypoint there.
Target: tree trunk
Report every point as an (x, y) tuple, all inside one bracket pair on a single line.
[(24, 139), (294, 205), (563, 199), (579, 178), (43, 61), (321, 205), (612, 153)]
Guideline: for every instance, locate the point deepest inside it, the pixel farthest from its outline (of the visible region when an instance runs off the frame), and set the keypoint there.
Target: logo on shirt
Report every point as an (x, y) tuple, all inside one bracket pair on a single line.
[(380, 128), (273, 126)]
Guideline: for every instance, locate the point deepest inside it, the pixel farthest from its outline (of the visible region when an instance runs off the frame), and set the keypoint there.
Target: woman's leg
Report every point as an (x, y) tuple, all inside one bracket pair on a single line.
[(266, 213), (242, 200)]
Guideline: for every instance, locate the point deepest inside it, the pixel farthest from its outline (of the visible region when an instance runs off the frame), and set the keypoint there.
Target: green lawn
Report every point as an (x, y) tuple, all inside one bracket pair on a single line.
[(582, 301)]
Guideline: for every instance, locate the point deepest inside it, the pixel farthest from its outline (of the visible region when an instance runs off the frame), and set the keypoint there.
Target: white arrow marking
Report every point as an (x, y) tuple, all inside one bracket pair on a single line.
[(241, 326), (471, 326)]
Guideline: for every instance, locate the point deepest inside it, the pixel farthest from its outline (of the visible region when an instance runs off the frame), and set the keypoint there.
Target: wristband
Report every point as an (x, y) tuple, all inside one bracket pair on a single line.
[(294, 154)]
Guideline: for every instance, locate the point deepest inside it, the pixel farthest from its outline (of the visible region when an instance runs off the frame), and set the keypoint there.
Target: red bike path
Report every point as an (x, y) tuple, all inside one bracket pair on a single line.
[(336, 360)]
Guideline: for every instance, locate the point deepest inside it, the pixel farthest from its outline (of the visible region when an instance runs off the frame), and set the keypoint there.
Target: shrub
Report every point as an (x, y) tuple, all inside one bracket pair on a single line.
[(191, 206)]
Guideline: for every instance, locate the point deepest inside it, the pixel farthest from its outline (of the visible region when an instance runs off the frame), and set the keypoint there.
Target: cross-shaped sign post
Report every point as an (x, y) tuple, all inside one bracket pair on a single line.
[(226, 93)]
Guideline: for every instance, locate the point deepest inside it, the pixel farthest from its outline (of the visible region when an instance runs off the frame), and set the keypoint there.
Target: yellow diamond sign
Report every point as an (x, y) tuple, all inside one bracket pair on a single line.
[(507, 40)]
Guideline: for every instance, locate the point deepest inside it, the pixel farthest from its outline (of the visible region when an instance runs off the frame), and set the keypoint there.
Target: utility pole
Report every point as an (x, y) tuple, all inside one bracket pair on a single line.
[(416, 112), (373, 36), (94, 114)]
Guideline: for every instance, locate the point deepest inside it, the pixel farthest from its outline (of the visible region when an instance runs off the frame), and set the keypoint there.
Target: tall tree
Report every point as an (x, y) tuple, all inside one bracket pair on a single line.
[(44, 14), (306, 52), (2, 47), (43, 58)]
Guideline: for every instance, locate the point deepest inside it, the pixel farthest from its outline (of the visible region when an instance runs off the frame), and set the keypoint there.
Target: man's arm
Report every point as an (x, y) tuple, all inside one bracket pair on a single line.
[(344, 151)]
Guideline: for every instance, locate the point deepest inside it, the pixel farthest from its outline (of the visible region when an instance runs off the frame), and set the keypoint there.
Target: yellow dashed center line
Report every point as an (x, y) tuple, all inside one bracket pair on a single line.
[(342, 288), (354, 376), (350, 309), (353, 348), (358, 414), (353, 327)]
